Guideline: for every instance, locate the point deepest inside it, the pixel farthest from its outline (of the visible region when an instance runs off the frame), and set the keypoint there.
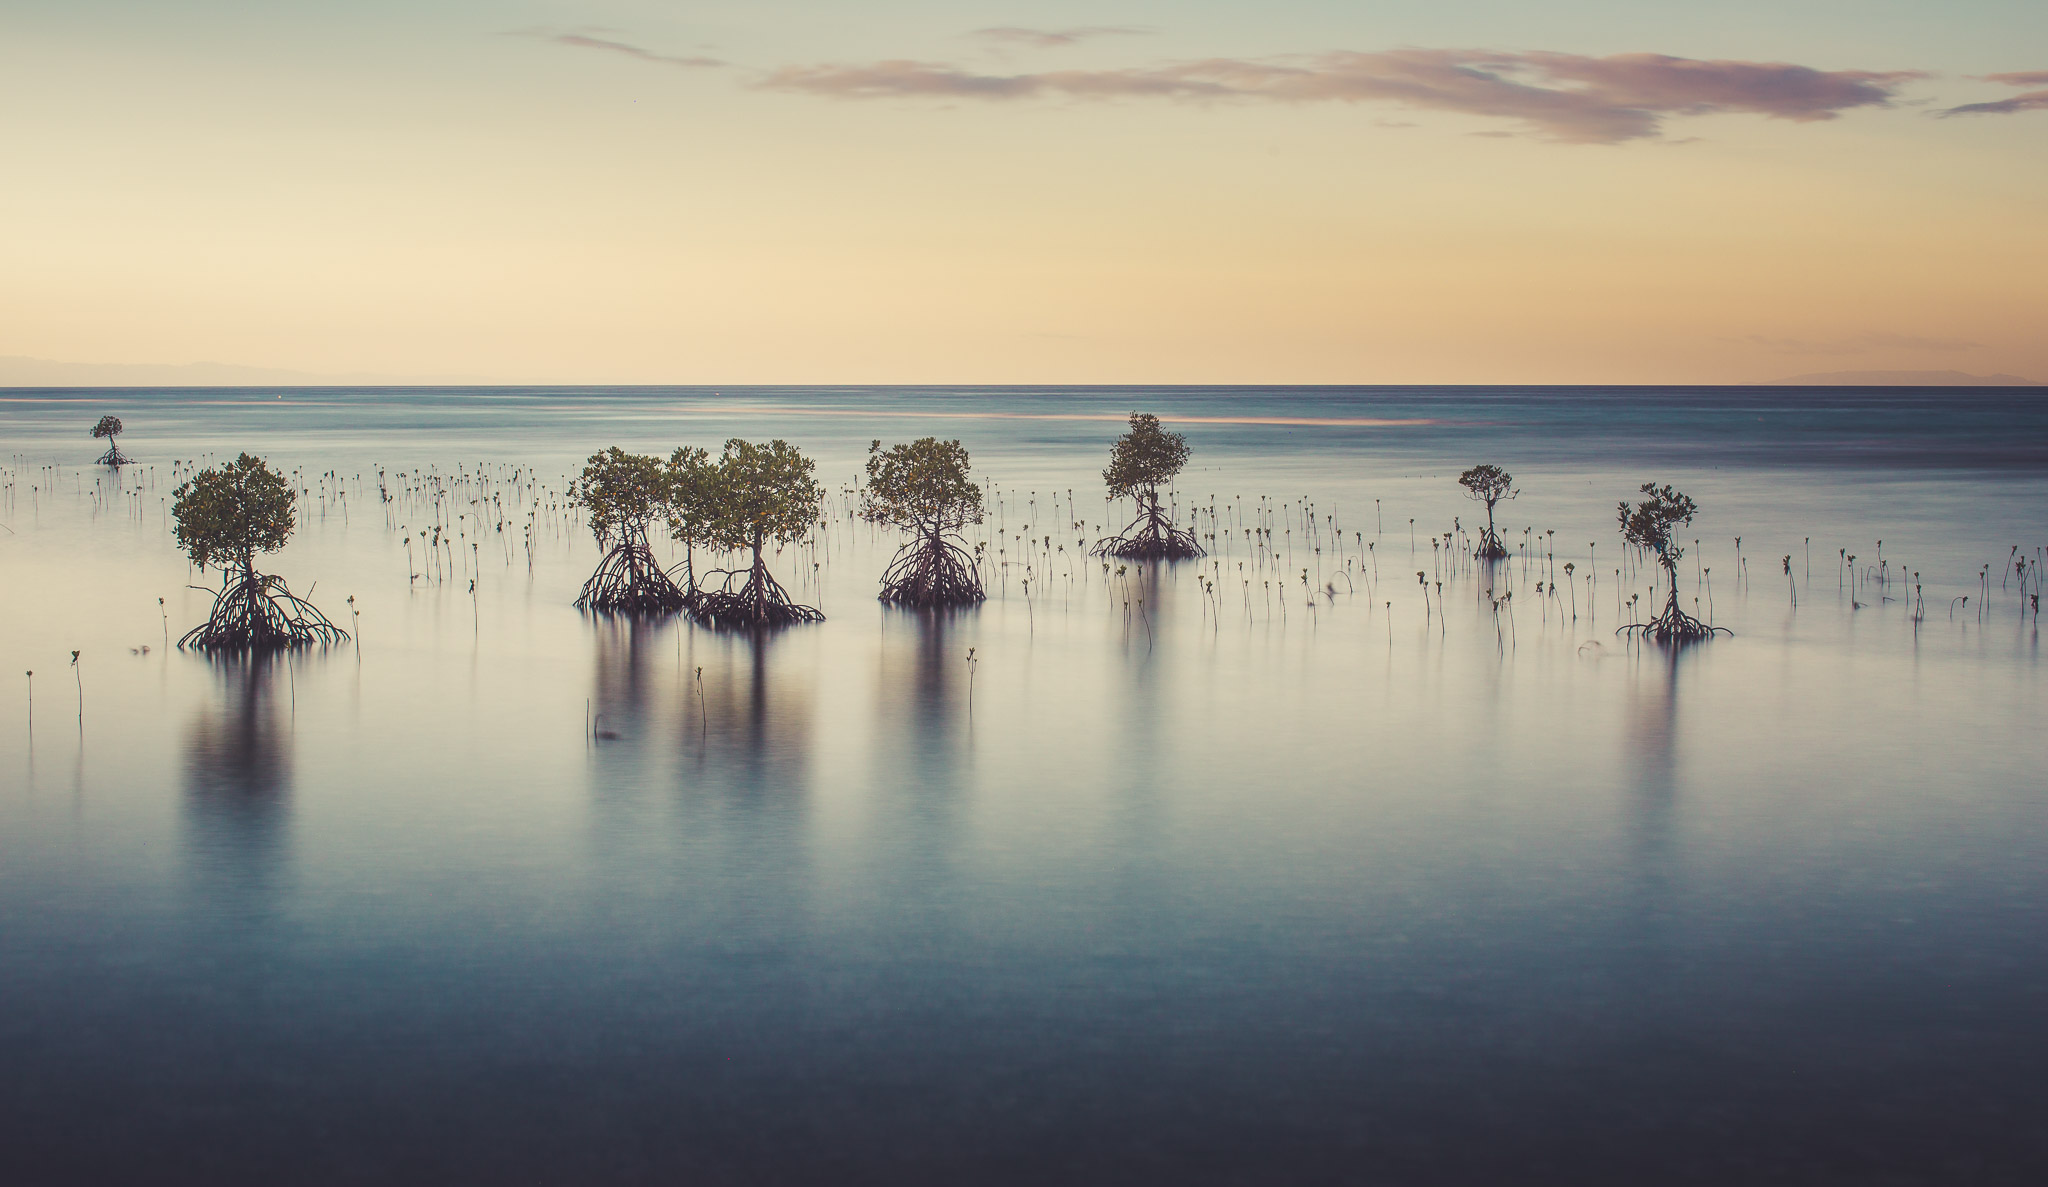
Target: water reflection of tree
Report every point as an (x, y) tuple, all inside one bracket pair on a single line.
[(921, 701), (749, 729), (238, 769), (627, 657), (1653, 738), (1651, 807)]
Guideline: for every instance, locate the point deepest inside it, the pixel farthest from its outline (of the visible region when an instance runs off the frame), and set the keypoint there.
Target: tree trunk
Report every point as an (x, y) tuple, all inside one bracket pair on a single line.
[(756, 579)]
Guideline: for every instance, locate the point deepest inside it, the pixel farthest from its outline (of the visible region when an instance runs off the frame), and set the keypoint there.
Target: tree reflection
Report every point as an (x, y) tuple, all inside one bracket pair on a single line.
[(1651, 809), (238, 769), (626, 658), (921, 702), (749, 730)]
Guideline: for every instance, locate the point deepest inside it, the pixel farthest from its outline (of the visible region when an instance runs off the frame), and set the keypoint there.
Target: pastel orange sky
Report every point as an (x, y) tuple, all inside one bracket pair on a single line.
[(1055, 193)]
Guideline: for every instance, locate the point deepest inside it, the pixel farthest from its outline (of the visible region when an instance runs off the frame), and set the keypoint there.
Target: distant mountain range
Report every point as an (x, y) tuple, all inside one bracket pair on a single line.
[(21, 371), (1903, 379)]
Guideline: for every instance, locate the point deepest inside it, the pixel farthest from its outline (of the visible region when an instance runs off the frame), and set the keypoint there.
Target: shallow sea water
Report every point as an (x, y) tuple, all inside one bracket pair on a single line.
[(1275, 881)]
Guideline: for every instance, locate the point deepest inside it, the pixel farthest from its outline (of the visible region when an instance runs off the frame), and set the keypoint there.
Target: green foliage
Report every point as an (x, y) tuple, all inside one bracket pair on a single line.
[(1648, 524), (228, 514), (623, 492), (1144, 458), (926, 487), (692, 487), (108, 426), (757, 494), (1487, 484)]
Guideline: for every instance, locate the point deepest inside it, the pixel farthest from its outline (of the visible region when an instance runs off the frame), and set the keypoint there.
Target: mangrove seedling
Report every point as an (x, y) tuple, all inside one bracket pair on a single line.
[(624, 492), (925, 488), (1489, 485), (756, 495), (109, 427), (1648, 526), (226, 515), (1142, 461)]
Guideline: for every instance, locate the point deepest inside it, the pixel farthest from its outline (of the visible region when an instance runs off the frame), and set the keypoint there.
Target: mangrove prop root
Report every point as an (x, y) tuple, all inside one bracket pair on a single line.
[(630, 581), (932, 571), (1490, 546), (748, 599), (1675, 626), (113, 456), (257, 613), (1150, 537)]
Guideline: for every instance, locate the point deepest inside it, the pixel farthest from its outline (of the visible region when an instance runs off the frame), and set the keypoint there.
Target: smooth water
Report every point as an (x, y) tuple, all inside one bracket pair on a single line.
[(1199, 874)]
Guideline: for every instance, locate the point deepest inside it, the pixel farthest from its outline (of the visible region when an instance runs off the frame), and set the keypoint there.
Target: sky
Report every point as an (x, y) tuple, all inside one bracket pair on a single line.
[(908, 191)]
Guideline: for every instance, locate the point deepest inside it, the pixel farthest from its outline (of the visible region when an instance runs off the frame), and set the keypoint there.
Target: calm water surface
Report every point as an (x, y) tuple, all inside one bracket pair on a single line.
[(1202, 874)]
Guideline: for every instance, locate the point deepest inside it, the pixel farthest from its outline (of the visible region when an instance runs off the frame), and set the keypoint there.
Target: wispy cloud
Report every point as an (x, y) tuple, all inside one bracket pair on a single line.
[(1862, 344), (1054, 38), (2031, 101), (1563, 97), (588, 39)]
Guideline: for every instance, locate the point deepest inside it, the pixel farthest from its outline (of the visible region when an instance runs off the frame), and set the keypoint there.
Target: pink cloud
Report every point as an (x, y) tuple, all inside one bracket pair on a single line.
[(588, 40), (1564, 97)]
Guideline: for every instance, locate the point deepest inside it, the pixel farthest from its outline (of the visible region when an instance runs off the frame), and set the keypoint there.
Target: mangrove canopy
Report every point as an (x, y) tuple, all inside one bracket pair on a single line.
[(623, 493), (1648, 525), (1489, 485), (753, 496), (926, 489), (225, 516), (1142, 461)]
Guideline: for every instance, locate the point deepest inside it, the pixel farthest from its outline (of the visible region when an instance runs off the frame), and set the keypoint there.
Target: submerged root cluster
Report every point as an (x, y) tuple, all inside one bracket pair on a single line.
[(1150, 537), (257, 613), (630, 581), (1674, 626), (748, 599), (932, 572)]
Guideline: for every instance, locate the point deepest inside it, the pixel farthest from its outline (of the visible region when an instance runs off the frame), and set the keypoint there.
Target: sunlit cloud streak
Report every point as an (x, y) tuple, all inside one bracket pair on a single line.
[(2031, 101), (1055, 38), (586, 40), (1563, 97)]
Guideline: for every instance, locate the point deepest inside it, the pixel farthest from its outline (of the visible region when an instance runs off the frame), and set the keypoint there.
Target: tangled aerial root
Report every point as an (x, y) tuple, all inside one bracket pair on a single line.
[(630, 581), (1490, 547), (1150, 537), (758, 603), (113, 456), (932, 572), (1674, 626), (257, 613)]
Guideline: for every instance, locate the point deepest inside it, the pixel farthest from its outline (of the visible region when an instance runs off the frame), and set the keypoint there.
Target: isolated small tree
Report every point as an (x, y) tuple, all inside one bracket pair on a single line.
[(1648, 525), (925, 488), (754, 496), (226, 515), (1140, 462), (1489, 485), (623, 493), (110, 428)]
